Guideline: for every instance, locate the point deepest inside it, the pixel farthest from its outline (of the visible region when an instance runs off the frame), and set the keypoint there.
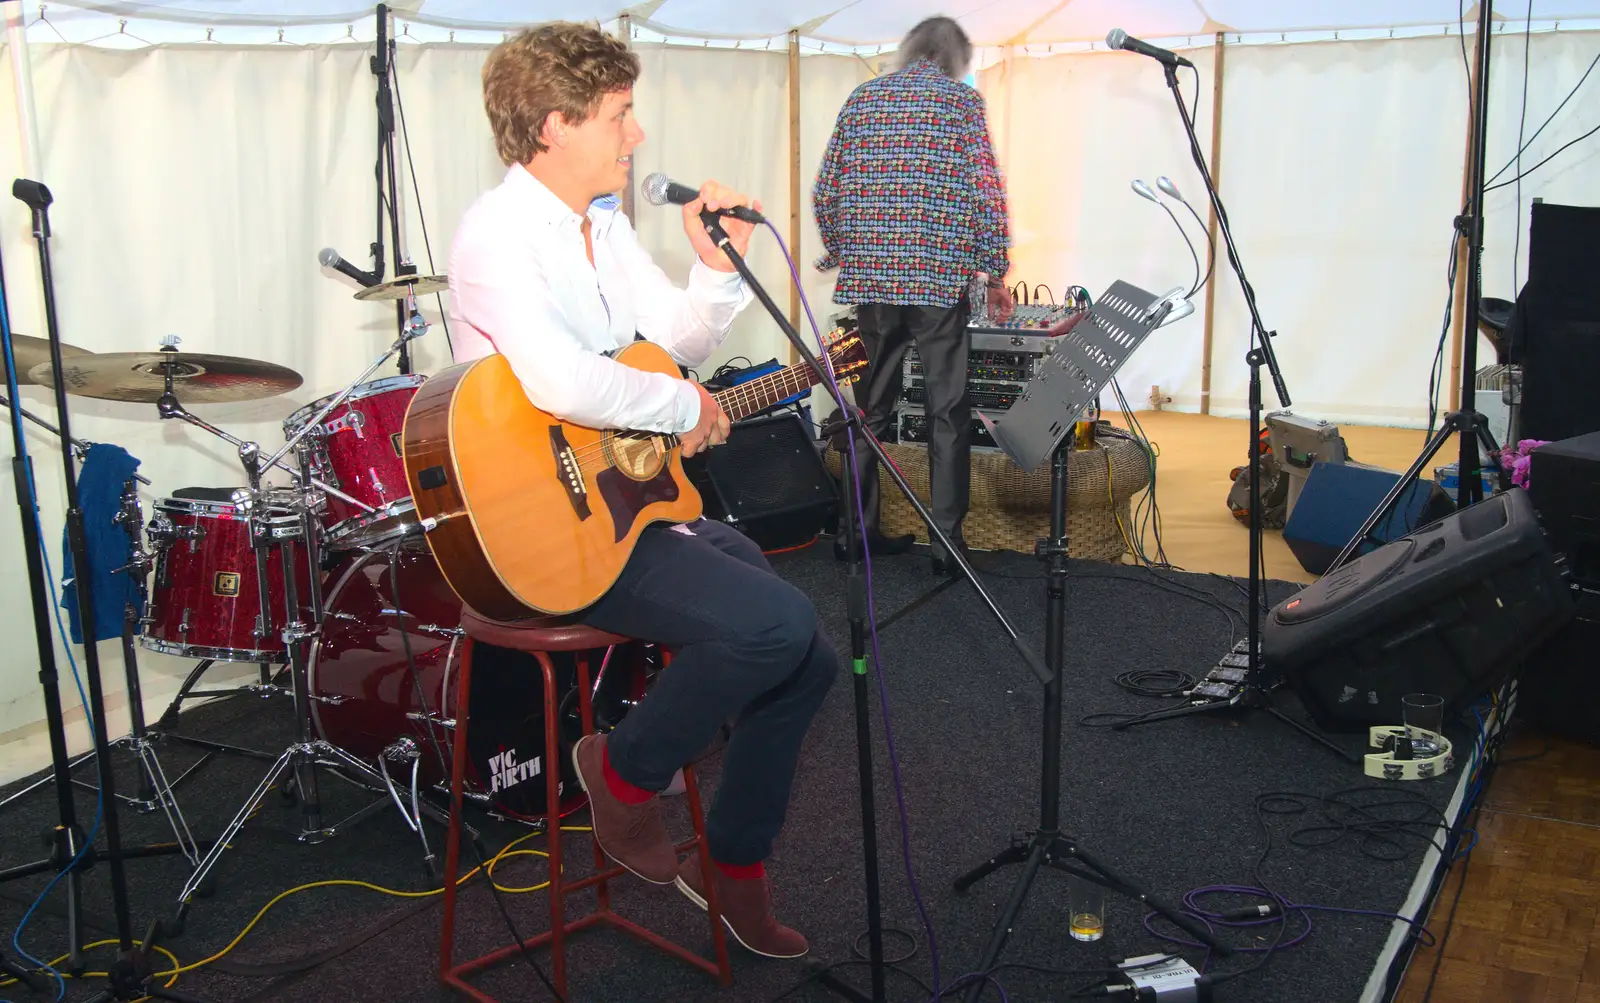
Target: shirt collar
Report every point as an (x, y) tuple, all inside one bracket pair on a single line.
[(548, 207)]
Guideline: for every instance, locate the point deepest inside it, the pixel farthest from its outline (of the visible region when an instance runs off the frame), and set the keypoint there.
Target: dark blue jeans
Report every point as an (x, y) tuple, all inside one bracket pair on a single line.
[(747, 649)]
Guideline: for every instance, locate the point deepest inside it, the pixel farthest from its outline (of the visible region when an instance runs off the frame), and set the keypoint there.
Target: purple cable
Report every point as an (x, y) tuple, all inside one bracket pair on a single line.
[(1191, 903), (872, 626)]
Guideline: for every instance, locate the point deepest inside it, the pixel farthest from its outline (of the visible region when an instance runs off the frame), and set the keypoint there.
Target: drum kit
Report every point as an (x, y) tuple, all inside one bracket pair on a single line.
[(239, 576)]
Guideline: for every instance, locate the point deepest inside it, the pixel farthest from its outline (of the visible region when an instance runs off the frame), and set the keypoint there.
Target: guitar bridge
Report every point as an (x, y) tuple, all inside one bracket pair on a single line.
[(570, 471)]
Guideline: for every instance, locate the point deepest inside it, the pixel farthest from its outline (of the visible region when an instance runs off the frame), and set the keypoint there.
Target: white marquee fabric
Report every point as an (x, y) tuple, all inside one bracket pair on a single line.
[(852, 22), (196, 183)]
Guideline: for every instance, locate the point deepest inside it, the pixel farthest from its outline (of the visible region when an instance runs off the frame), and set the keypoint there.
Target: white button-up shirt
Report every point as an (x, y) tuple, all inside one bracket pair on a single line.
[(521, 285)]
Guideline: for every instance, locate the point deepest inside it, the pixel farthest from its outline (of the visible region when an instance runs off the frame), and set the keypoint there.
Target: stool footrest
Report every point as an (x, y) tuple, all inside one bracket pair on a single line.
[(456, 976), (617, 870)]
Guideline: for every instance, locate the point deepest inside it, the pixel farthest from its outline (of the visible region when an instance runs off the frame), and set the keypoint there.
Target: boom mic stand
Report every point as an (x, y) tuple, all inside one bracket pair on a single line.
[(1252, 695), (130, 975), (857, 606)]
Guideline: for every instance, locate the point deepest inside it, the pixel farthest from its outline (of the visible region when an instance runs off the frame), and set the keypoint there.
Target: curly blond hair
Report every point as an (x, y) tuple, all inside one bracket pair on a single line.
[(563, 67)]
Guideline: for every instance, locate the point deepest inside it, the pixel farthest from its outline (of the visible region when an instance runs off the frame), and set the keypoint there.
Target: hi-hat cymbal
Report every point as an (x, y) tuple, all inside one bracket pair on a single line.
[(32, 352), (196, 378), (405, 285)]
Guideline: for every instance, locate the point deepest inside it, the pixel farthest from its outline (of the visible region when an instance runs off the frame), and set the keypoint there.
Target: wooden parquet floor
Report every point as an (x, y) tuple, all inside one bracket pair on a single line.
[(1527, 927)]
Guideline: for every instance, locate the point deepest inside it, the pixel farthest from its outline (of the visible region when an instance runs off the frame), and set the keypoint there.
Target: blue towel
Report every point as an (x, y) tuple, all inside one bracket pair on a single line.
[(106, 471)]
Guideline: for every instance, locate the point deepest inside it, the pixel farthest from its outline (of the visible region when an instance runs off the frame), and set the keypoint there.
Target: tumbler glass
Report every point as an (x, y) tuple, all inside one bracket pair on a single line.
[(1422, 712), (1086, 903)]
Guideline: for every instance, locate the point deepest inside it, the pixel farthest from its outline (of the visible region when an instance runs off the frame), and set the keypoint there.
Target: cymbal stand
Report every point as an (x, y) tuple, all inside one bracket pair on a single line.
[(413, 329)]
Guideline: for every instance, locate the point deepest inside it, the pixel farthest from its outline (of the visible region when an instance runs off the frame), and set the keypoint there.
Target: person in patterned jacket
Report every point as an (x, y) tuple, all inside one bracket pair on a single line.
[(911, 209)]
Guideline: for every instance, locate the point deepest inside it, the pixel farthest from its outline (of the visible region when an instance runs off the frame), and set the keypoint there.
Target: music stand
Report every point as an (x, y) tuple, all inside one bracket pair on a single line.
[(1037, 427)]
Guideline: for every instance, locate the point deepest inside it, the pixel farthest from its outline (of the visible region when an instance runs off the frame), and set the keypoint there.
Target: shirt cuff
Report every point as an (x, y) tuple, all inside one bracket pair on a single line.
[(686, 409), (713, 286)]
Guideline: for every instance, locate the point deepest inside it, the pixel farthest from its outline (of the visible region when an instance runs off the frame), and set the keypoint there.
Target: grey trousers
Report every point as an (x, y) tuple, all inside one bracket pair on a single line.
[(940, 334)]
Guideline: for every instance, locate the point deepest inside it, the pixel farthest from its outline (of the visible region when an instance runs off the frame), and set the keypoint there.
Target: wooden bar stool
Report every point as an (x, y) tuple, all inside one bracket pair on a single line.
[(540, 638)]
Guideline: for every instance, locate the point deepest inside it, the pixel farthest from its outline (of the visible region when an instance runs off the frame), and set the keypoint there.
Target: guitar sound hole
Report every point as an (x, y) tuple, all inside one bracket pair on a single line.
[(638, 457)]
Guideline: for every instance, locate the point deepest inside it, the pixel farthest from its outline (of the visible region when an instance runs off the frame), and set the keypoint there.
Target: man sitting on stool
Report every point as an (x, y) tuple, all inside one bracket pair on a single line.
[(546, 270)]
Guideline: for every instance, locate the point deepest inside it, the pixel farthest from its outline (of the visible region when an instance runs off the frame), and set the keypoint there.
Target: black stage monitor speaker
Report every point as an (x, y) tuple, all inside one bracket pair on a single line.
[(1338, 498), (1446, 610), (768, 481), (1564, 482)]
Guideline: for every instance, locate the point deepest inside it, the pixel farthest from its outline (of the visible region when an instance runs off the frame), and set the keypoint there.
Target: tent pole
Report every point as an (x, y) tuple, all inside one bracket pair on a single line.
[(794, 176), (1221, 46), (625, 32), (22, 74), (1458, 313)]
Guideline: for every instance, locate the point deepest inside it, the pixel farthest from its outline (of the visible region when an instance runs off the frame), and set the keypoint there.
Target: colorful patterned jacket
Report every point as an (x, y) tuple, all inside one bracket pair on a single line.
[(909, 201)]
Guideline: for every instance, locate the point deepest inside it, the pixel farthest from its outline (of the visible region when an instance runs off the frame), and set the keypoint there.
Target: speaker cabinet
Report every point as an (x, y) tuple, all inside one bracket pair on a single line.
[(1447, 610), (768, 481), (1338, 497)]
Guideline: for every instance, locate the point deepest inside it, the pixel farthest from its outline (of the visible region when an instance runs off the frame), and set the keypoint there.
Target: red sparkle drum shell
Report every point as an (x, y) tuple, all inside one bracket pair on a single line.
[(358, 452), (360, 663), (205, 597)]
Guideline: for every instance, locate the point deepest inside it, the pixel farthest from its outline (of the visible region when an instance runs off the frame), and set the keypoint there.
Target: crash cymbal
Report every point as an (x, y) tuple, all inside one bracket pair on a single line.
[(405, 285), (31, 352), (196, 378)]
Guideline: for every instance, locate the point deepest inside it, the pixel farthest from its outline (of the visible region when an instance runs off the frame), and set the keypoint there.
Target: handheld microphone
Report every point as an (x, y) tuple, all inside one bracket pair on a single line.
[(659, 190), (332, 259), (1119, 39)]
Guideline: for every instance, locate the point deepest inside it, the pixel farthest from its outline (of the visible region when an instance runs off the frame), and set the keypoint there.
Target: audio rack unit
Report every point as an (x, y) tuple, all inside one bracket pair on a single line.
[(999, 366)]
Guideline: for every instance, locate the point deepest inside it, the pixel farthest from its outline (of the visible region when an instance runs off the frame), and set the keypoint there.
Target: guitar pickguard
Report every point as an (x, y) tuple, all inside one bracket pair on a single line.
[(626, 497)]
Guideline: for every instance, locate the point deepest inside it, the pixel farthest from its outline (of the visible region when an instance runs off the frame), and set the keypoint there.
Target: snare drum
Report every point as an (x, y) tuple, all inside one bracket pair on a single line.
[(205, 601), (356, 450), (365, 699)]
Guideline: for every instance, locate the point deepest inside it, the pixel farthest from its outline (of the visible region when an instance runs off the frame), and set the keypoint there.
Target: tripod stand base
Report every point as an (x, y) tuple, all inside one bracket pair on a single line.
[(1061, 852)]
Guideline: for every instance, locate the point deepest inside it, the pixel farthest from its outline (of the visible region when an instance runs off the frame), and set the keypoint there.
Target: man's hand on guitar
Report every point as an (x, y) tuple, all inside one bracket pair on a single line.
[(711, 429), (714, 196)]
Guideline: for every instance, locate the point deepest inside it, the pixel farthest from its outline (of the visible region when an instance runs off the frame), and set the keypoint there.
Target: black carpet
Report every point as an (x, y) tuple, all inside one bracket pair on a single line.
[(1169, 806)]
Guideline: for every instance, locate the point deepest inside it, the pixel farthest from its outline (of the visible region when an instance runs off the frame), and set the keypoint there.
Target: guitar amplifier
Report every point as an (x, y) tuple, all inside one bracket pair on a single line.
[(768, 481)]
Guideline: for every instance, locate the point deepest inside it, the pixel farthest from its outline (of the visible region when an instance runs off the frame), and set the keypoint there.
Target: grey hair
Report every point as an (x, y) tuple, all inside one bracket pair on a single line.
[(941, 40)]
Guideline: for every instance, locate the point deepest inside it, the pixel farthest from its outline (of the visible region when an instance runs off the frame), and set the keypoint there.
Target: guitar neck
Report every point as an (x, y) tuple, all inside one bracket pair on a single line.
[(764, 391)]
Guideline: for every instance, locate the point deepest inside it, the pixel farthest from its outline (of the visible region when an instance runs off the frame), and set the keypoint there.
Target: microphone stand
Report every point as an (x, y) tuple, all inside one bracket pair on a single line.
[(1252, 695), (1468, 421), (130, 975), (389, 202), (857, 607)]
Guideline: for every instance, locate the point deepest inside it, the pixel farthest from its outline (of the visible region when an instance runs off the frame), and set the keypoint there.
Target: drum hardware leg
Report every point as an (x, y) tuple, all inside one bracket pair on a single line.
[(203, 870), (341, 761), (169, 717), (400, 751)]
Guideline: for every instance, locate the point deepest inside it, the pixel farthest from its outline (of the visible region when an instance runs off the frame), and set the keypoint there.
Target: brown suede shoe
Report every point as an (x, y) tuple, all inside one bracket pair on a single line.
[(631, 834), (746, 910)]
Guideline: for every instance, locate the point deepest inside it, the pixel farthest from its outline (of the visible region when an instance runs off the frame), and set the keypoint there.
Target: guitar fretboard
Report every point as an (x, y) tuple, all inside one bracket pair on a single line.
[(763, 391)]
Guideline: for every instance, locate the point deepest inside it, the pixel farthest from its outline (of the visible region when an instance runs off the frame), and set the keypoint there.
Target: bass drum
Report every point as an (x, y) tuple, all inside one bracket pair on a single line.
[(366, 700)]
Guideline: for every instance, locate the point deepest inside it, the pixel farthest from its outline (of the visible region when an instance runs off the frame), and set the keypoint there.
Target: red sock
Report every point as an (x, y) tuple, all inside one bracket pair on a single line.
[(742, 872), (620, 788)]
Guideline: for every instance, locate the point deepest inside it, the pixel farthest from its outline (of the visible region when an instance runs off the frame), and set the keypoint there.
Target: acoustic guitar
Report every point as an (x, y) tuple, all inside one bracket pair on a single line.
[(528, 514)]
